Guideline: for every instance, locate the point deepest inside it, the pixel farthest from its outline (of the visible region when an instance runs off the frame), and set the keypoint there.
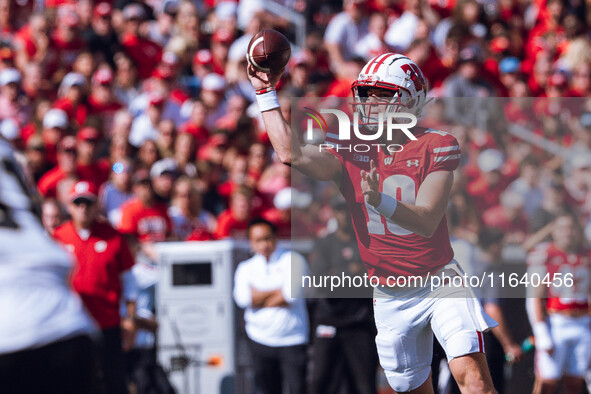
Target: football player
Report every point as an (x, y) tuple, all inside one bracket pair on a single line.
[(559, 313), (397, 203), (45, 334)]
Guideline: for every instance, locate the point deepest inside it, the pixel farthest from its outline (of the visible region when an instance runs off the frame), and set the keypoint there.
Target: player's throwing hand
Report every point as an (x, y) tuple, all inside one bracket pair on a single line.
[(261, 80), (370, 185)]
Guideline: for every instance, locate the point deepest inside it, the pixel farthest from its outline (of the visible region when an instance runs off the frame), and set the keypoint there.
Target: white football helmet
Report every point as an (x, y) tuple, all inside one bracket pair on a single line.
[(393, 72)]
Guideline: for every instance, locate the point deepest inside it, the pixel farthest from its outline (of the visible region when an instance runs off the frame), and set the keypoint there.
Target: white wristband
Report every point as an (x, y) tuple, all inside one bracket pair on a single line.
[(387, 206), (267, 101), (542, 335)]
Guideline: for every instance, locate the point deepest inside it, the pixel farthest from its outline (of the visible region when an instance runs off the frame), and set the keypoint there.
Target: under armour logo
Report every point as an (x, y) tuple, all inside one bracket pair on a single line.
[(388, 160), (414, 162)]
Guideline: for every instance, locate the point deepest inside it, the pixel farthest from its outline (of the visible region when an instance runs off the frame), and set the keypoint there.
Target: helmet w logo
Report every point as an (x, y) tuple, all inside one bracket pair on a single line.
[(415, 74), (388, 160)]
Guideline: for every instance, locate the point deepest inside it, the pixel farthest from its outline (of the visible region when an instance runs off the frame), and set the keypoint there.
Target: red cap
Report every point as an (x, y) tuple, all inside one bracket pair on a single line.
[(156, 99), (223, 35), (203, 57), (102, 76), (103, 9), (67, 143), (88, 133), (83, 189), (163, 72), (499, 44)]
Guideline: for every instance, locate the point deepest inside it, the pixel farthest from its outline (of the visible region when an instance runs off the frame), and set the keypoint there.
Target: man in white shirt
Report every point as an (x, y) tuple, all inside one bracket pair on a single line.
[(276, 320)]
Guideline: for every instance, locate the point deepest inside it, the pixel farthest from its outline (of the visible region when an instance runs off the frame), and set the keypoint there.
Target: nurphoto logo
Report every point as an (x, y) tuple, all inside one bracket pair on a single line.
[(389, 119)]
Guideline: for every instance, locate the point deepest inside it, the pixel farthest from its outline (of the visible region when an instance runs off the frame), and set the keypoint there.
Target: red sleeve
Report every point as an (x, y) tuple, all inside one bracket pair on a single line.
[(128, 223), (43, 186), (57, 234), (48, 182), (125, 257), (443, 152), (224, 224)]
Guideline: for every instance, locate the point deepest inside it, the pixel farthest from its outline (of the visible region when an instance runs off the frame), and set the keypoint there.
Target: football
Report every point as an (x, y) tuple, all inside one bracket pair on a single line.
[(268, 51)]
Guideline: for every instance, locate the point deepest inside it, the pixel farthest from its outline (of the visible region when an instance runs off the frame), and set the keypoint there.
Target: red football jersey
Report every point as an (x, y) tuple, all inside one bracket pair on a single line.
[(560, 264), (386, 248)]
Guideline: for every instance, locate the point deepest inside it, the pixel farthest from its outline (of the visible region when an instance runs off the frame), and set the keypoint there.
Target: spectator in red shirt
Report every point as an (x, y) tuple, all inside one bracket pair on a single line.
[(233, 222), (235, 110), (55, 125), (220, 46), (280, 214), (33, 43), (66, 39), (72, 93), (542, 69), (508, 217), (236, 177), (196, 123), (100, 277), (143, 217), (145, 53), (66, 166), (487, 188), (89, 167), (101, 100)]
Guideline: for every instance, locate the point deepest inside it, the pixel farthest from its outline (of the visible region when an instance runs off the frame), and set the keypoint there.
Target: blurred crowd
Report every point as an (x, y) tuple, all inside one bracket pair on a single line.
[(128, 92)]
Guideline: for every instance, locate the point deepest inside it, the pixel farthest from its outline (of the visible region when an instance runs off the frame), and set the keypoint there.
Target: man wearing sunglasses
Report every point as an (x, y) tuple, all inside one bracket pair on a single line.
[(101, 277)]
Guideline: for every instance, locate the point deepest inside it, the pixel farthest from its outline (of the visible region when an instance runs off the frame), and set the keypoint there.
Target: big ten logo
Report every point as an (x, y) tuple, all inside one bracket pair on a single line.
[(345, 124)]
